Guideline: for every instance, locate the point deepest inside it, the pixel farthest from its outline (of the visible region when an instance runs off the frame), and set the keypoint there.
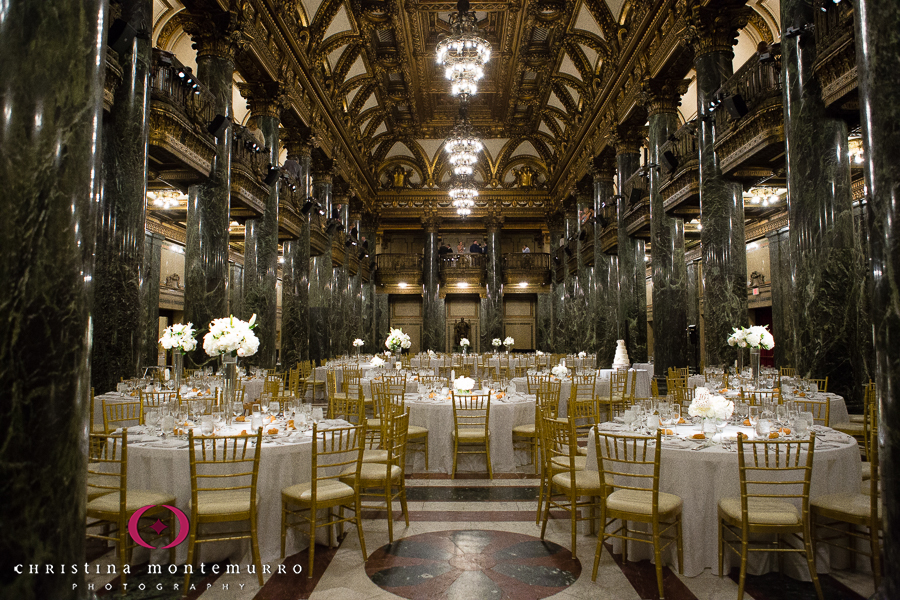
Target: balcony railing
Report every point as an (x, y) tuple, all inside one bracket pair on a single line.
[(402, 273), (463, 261), (527, 261), (399, 262), (835, 64), (753, 84), (167, 85), (531, 269)]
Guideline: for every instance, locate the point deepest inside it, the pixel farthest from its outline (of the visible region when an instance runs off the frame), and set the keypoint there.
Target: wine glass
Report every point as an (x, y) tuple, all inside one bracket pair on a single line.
[(218, 417), (264, 403), (753, 415)]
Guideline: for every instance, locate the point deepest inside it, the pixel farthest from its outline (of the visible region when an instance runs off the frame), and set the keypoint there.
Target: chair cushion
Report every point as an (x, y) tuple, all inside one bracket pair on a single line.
[(857, 418), (223, 502), (526, 430), (135, 499), (373, 423), (641, 502), (375, 456), (850, 428), (561, 462), (762, 511), (584, 480), (370, 472), (582, 450), (327, 490), (470, 434), (854, 505), (416, 431), (866, 471)]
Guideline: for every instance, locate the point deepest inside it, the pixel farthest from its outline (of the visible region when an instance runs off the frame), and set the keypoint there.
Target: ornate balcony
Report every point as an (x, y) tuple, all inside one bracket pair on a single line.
[(636, 191), (290, 221), (559, 264), (400, 273), (587, 244), (338, 250), (463, 272), (680, 186), (248, 169), (319, 243), (181, 149), (532, 269), (835, 64), (608, 223), (751, 147)]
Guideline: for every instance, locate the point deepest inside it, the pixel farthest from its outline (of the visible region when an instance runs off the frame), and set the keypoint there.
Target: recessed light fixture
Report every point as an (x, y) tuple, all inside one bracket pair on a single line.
[(402, 284), (462, 284), (523, 284)]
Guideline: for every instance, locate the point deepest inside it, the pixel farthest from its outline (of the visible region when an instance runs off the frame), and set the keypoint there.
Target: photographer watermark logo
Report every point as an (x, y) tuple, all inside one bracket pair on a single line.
[(183, 526)]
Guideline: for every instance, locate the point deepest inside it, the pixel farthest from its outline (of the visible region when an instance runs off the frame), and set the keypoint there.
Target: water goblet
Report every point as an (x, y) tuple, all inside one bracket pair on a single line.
[(800, 426), (206, 425), (629, 417), (218, 417), (753, 415), (264, 403)]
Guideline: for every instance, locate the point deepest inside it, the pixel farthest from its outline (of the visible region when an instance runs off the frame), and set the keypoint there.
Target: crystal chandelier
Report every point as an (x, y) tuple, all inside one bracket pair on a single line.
[(463, 53), (463, 146), (166, 199), (463, 193)]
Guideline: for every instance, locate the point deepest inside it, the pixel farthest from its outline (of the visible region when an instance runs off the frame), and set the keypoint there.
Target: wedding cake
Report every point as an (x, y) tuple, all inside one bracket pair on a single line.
[(621, 358)]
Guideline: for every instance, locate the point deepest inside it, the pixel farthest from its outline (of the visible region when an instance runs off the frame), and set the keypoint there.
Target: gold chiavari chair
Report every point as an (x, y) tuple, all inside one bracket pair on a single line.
[(337, 458), (272, 384), (820, 409), (864, 509), (522, 370), (546, 405), (471, 426), (785, 372), (758, 397), (336, 397), (559, 439), (547, 394), (630, 469), (534, 381), (821, 384), (654, 388), (385, 481), (445, 371), (583, 408), (374, 450), (111, 504), (432, 379), (415, 434), (122, 414), (351, 407), (224, 475), (396, 383), (614, 403), (156, 400), (775, 477)]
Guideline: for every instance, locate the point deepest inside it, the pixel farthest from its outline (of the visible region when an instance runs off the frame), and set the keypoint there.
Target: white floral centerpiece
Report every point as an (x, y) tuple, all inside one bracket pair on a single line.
[(397, 340), (463, 384), (377, 362), (710, 407), (431, 353), (179, 336), (538, 353), (464, 342), (560, 371), (358, 343), (231, 336), (738, 338), (582, 354), (509, 342), (759, 337), (496, 342)]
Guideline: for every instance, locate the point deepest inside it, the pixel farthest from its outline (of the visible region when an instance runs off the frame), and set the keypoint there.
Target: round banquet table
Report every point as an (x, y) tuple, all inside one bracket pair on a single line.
[(437, 417), (283, 461), (601, 389), (702, 478), (837, 406)]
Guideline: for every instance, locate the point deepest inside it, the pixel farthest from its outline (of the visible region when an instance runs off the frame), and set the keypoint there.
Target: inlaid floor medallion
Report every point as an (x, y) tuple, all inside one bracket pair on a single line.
[(473, 564)]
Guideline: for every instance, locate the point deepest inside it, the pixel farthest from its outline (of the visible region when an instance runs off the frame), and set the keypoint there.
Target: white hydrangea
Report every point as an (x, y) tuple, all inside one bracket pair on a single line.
[(376, 362), (463, 383), (560, 371), (358, 343), (496, 343), (464, 342), (231, 335), (509, 342), (179, 335), (397, 339), (707, 405)]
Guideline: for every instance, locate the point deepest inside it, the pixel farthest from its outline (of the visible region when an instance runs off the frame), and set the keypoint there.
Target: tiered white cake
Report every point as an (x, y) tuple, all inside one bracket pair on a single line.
[(621, 358)]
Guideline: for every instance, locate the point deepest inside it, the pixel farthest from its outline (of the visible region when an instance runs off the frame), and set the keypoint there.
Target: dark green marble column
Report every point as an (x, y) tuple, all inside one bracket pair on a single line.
[(557, 226), (877, 49), (208, 212), (355, 305), (544, 337), (584, 299), (150, 296), (721, 200), (236, 289), (694, 354), (825, 254), (782, 297), (666, 236), (261, 242), (295, 272), (119, 259), (631, 251), (340, 293), (367, 229), (320, 279), (434, 314), (606, 273), (51, 89), (491, 314), (382, 323)]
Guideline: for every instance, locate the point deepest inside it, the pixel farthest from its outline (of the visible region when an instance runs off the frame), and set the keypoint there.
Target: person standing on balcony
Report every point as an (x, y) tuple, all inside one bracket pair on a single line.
[(475, 248), (460, 248), (526, 249)]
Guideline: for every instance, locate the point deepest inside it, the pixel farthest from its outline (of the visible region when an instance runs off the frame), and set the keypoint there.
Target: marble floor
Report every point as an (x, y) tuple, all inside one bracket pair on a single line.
[(469, 538)]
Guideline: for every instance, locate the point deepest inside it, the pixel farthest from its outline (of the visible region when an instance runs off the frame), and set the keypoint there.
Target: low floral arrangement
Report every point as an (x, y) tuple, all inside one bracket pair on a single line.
[(509, 342), (538, 353), (463, 384), (358, 343), (376, 362), (496, 343), (179, 336), (431, 354), (231, 336), (707, 405), (397, 339), (464, 342), (582, 354), (560, 371), (757, 336)]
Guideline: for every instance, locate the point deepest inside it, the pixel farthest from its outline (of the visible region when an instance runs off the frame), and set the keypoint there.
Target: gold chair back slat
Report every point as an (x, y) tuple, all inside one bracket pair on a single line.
[(122, 414)]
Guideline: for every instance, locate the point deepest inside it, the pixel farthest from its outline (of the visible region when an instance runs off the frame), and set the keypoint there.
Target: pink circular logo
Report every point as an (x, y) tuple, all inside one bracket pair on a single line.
[(158, 527)]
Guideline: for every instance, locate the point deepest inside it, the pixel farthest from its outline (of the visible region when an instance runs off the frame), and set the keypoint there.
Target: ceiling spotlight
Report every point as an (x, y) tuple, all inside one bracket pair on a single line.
[(523, 284), (462, 284), (402, 284)]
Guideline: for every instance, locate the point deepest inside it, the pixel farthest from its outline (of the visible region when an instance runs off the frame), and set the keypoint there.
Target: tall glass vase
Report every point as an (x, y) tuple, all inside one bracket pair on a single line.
[(754, 367), (178, 363), (740, 362), (229, 372)]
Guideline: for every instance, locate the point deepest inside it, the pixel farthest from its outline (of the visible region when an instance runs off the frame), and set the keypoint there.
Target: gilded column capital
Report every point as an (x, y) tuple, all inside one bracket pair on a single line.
[(493, 224), (323, 176), (431, 223), (265, 99), (296, 144), (662, 95), (714, 30), (626, 139), (218, 35), (603, 168)]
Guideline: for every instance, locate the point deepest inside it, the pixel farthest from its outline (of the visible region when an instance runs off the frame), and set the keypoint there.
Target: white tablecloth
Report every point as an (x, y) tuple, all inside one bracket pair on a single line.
[(702, 478), (437, 417), (601, 389)]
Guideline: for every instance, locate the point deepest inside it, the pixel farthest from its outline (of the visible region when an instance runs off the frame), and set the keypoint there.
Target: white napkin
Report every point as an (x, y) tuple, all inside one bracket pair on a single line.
[(171, 443)]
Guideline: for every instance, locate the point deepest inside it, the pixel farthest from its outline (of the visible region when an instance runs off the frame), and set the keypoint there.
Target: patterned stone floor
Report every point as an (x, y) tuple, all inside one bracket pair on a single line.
[(469, 538)]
